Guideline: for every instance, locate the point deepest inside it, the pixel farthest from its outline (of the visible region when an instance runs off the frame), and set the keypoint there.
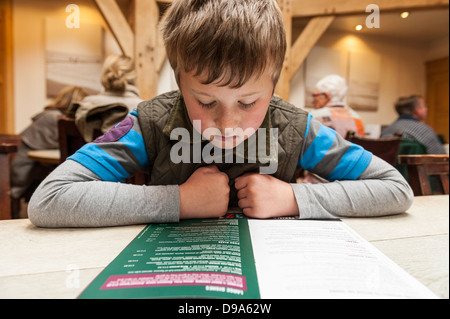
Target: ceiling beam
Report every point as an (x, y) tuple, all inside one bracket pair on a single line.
[(118, 25), (315, 28), (144, 43), (308, 8)]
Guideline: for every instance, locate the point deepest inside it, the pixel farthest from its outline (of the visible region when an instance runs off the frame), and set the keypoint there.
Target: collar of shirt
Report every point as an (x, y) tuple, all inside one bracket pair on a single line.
[(407, 117)]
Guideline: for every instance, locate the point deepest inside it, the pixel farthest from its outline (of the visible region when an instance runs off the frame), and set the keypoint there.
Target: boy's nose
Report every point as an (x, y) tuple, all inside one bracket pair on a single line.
[(226, 120)]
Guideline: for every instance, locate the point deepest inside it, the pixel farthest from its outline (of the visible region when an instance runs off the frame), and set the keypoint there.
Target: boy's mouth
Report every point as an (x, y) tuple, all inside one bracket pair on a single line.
[(225, 138), (224, 142)]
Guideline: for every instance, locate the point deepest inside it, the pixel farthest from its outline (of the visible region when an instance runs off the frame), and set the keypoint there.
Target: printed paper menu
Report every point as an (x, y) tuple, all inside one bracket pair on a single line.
[(252, 259), (325, 259), (196, 258)]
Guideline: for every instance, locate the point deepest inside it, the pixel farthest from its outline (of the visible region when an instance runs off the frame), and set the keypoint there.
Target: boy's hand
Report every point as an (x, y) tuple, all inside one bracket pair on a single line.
[(205, 194), (264, 196)]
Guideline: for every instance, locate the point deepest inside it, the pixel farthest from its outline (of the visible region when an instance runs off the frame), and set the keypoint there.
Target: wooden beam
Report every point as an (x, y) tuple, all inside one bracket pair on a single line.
[(161, 54), (312, 8), (146, 39), (284, 83), (146, 46), (118, 25), (315, 28), (6, 68)]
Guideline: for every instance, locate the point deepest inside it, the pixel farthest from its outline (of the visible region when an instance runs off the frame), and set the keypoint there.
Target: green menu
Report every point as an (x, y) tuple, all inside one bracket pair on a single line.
[(191, 259)]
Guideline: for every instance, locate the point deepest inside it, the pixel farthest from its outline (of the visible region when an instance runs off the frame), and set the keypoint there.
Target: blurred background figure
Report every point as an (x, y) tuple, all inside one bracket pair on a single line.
[(100, 112), (330, 109), (26, 174), (118, 80), (412, 112)]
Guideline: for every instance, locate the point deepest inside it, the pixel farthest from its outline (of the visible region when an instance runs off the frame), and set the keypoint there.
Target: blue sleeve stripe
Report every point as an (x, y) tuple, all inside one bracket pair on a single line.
[(352, 164), (110, 171), (135, 142), (318, 148), (308, 124), (134, 112)]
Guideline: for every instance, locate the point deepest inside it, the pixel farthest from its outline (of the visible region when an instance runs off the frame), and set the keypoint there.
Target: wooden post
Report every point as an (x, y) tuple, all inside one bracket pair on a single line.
[(146, 38), (6, 68), (283, 87), (297, 53)]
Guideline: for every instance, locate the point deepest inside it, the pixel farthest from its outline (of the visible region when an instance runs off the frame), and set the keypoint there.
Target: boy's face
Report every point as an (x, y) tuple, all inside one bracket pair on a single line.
[(228, 116)]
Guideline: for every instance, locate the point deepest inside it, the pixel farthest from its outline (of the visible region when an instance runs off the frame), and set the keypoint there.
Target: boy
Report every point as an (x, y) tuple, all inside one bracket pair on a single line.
[(227, 56)]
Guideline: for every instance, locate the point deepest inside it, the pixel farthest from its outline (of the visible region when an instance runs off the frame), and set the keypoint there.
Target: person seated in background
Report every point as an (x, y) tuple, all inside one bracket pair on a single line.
[(26, 174), (330, 109), (100, 112), (118, 80), (412, 112)]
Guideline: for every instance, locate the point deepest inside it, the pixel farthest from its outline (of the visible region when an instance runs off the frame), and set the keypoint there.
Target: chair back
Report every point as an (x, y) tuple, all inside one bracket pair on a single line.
[(409, 147), (13, 139), (385, 148), (70, 138), (10, 139), (421, 167)]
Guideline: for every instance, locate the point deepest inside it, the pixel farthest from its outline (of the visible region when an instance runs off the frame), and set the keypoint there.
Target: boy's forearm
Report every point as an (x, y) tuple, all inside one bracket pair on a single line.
[(380, 191), (72, 196)]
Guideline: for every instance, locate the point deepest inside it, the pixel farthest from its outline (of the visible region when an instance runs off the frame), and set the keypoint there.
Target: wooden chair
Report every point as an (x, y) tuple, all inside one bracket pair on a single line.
[(409, 147), (420, 167), (10, 139), (385, 148), (6, 150), (71, 140)]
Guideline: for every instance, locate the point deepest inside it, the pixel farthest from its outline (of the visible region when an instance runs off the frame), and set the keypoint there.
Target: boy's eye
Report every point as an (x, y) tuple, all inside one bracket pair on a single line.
[(212, 104), (207, 106), (246, 106)]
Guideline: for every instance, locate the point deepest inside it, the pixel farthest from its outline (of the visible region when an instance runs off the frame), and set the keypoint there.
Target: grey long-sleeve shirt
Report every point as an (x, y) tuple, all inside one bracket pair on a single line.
[(75, 196)]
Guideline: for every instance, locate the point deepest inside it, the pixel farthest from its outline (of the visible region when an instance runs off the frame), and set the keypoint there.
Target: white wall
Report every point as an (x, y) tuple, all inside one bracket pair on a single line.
[(402, 69), (29, 52)]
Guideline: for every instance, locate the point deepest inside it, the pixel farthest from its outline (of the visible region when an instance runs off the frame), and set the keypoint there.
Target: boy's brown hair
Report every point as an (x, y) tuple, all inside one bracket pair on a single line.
[(228, 41)]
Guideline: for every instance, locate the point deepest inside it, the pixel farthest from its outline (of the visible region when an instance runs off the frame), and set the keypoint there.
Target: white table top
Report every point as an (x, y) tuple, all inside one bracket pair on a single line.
[(418, 241), (60, 263), (45, 156)]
